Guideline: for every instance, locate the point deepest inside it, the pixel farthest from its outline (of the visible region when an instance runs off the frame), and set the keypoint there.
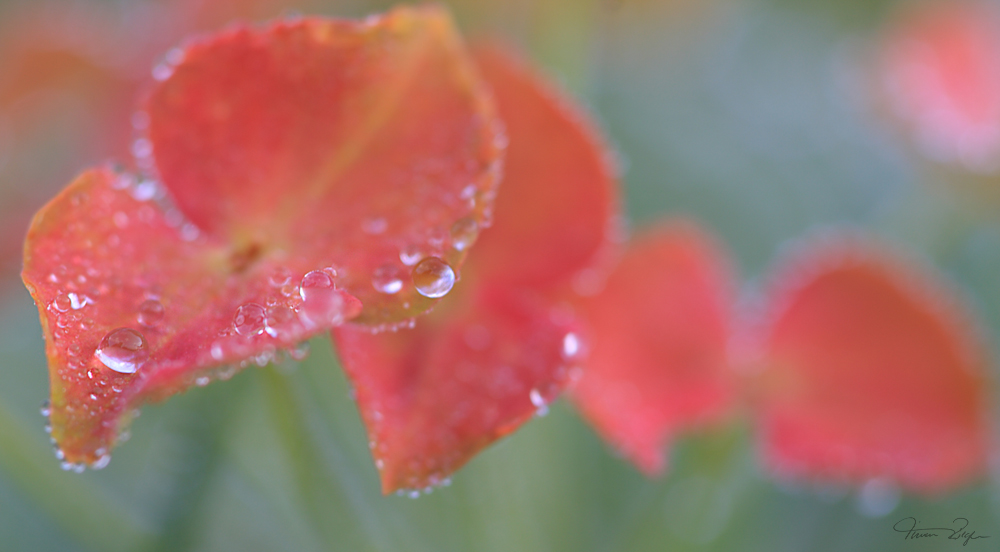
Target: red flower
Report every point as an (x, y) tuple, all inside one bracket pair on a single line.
[(488, 359), (864, 367), (295, 163)]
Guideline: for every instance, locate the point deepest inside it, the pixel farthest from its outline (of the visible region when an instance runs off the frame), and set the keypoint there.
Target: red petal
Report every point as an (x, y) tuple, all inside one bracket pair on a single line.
[(658, 335), (99, 261), (434, 396), (560, 195), (871, 372), (344, 142)]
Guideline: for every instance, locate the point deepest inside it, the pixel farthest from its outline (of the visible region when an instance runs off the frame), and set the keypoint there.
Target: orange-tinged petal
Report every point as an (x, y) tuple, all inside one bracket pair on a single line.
[(347, 141), (560, 196), (433, 396), (657, 339), (871, 371), (296, 163), (135, 308), (503, 345)]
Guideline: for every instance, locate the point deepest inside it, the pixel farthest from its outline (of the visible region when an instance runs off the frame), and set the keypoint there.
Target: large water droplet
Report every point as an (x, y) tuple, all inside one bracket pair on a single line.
[(388, 279), (464, 233), (433, 277), (123, 350), (249, 319), (151, 313), (321, 304)]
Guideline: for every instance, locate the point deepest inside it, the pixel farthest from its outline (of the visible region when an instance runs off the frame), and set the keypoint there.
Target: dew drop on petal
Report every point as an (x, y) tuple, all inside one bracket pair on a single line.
[(300, 351), (151, 313), (202, 381), (570, 346), (464, 233), (46, 409), (280, 276), (388, 279), (249, 320), (433, 277), (102, 462), (61, 303), (410, 255), (280, 320), (321, 304), (123, 350), (538, 401)]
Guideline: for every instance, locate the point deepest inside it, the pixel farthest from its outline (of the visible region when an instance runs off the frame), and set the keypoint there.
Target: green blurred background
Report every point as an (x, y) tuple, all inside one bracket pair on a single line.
[(756, 117)]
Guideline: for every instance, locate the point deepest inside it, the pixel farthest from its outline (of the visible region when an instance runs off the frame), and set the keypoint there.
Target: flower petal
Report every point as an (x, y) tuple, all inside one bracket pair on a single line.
[(433, 396), (871, 372), (350, 142), (657, 336), (490, 357), (136, 308), (559, 204)]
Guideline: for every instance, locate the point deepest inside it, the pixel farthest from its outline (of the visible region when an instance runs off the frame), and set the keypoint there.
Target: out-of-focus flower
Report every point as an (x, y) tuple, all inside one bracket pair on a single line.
[(864, 366), (940, 71)]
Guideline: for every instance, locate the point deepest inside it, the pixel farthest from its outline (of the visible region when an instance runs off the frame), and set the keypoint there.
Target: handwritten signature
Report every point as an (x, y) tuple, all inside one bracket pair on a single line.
[(958, 533)]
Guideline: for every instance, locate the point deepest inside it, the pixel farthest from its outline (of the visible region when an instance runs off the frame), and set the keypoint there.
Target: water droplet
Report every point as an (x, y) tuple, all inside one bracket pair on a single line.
[(46, 409), (142, 148), (375, 226), (77, 302), (541, 408), (414, 494), (123, 350), (151, 313), (280, 319), (249, 319), (570, 346), (217, 352), (201, 381), (433, 277), (60, 304), (280, 276), (300, 351), (321, 303), (464, 233), (410, 255), (878, 497), (103, 459), (145, 190), (388, 279)]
